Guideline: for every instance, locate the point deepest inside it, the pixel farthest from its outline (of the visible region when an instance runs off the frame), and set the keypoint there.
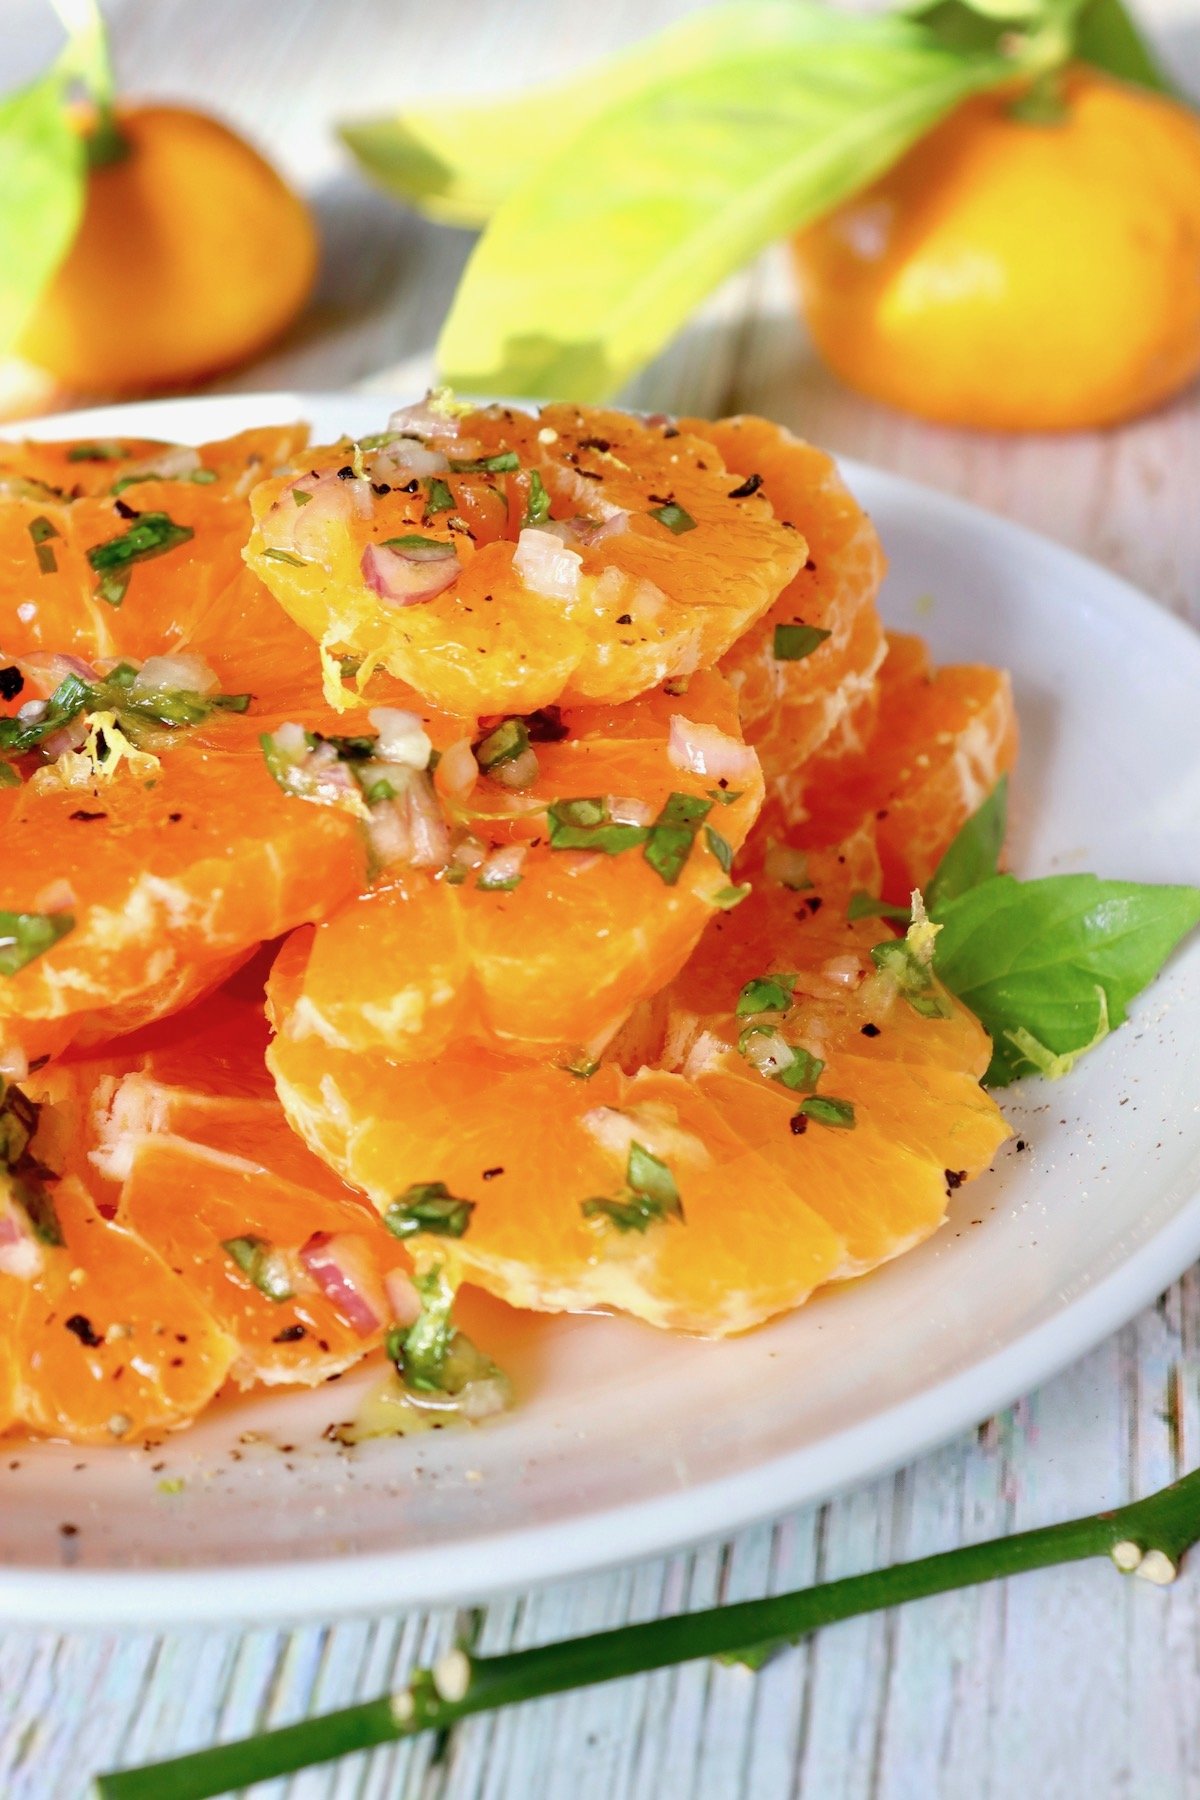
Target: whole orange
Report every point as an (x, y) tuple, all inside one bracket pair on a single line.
[(1016, 275), (192, 255)]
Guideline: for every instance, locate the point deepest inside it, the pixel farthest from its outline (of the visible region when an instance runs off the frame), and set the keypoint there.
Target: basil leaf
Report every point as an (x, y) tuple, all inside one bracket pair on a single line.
[(765, 993), (43, 162), (457, 162), (420, 1355), (823, 1109), (865, 906), (590, 265), (428, 1206), (26, 935), (792, 643), (974, 853), (584, 824), (1055, 958), (673, 833), (262, 1265)]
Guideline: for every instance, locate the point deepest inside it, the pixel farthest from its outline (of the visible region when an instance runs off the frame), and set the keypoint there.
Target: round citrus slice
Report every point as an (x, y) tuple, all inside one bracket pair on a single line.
[(809, 664), (114, 549), (801, 1120), (941, 740), (147, 849), (499, 562), (548, 908)]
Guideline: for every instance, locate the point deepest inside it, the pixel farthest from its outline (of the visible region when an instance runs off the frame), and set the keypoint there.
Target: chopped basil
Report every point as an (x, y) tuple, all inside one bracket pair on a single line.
[(18, 1123), (285, 556), (509, 740), (440, 498), (106, 451), (420, 1352), (349, 749), (151, 534), (670, 839), (823, 1109), (24, 936), (40, 1210), (378, 791), (912, 976), (585, 825), (725, 796), (201, 478), (261, 1264), (416, 548), (583, 1068), (8, 776), (650, 1194), (17, 736), (673, 517), (537, 507), (803, 1072), (73, 695), (792, 643), (727, 898), (765, 993), (41, 531), (430, 1207), (720, 846), (866, 906), (501, 464)]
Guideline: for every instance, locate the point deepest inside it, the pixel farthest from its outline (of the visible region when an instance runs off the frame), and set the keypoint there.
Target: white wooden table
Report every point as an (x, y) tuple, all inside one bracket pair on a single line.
[(1065, 1684)]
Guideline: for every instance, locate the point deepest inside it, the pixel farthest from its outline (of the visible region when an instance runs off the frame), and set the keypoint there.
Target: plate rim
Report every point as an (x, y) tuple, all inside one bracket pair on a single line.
[(368, 1583)]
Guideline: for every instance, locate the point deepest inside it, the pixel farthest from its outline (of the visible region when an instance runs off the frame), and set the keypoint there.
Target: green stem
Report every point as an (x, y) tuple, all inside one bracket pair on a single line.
[(88, 60), (1148, 1537)]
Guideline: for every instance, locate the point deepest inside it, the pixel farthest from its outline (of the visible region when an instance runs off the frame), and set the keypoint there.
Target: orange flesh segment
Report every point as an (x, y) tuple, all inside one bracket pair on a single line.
[(650, 603), (789, 708), (417, 963)]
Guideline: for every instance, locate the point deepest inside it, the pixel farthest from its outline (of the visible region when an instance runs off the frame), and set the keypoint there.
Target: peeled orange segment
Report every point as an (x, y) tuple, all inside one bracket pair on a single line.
[(108, 1342), (159, 877), (500, 562), (552, 958), (231, 1199), (531, 1146), (941, 740), (811, 660), (192, 591)]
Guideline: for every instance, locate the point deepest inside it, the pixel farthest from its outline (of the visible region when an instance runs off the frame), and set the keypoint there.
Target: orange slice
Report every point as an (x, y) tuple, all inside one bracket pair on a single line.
[(499, 562)]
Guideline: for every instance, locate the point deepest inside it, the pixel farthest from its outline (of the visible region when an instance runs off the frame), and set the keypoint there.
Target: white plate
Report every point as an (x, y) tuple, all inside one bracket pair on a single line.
[(627, 1442)]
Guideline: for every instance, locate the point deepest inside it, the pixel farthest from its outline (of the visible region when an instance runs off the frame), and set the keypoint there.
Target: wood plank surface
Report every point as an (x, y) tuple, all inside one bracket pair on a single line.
[(1057, 1686)]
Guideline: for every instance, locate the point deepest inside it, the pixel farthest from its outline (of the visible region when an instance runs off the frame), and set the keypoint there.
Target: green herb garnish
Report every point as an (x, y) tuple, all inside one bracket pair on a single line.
[(439, 496), (537, 507), (584, 824), (913, 975), (650, 1194), (724, 796), (765, 993), (865, 906), (428, 1207), (823, 1109), (726, 898), (673, 517), (41, 531), (670, 839), (506, 743), (417, 548), (152, 534), (720, 846), (24, 936), (420, 1352), (262, 1265), (106, 451), (285, 556), (792, 643), (501, 464)]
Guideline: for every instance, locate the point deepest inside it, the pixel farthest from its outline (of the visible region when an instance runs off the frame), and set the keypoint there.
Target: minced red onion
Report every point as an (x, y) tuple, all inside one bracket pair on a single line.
[(502, 864), (457, 771), (342, 1267), (623, 809), (20, 1253), (585, 531), (402, 737), (411, 828), (408, 456), (703, 750), (169, 463), (403, 578), (182, 672)]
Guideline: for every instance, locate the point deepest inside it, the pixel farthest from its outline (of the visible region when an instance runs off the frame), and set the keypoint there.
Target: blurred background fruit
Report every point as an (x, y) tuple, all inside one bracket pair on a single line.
[(191, 256), (1020, 273)]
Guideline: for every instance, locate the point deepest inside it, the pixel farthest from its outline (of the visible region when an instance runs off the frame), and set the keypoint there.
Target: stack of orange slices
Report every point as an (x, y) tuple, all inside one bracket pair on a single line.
[(427, 860)]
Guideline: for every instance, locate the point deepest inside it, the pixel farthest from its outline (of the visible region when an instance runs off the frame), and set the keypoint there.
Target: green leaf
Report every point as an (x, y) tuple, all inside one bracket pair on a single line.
[(27, 935), (428, 1206), (792, 643), (584, 824), (590, 265), (765, 993), (865, 906), (420, 1354), (1044, 957), (458, 160), (1107, 37), (262, 1265), (823, 1109), (974, 853), (649, 1196), (670, 839), (44, 169)]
